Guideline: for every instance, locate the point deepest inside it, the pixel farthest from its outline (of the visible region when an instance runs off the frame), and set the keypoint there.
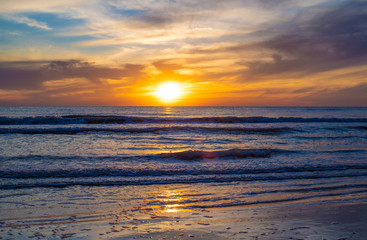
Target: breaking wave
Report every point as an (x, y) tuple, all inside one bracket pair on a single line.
[(232, 153), (78, 130), (121, 177), (96, 119)]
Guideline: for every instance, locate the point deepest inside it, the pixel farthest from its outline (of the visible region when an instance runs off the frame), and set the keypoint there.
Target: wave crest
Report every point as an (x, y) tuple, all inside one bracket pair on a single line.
[(207, 155), (77, 130), (94, 119)]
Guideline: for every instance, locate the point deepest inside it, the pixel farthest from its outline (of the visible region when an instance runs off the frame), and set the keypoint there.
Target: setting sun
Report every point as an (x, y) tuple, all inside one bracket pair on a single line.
[(169, 91)]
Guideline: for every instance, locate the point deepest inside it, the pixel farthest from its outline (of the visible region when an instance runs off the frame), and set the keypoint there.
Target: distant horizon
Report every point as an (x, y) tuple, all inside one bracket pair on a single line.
[(189, 106)]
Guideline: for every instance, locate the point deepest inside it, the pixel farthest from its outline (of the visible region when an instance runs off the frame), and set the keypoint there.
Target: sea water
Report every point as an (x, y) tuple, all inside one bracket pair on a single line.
[(215, 156)]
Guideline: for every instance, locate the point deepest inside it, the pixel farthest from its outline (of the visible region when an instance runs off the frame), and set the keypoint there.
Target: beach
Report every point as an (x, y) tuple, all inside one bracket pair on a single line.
[(183, 173), (181, 120), (78, 216)]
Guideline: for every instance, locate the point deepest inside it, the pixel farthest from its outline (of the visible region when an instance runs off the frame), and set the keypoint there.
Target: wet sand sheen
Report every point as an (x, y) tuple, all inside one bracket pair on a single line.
[(274, 221), (173, 212), (337, 221)]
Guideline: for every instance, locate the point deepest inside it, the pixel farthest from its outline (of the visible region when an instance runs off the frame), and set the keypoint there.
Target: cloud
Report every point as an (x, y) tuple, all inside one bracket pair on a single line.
[(32, 75), (150, 19), (40, 5), (273, 3), (164, 66), (349, 96), (335, 38), (28, 21)]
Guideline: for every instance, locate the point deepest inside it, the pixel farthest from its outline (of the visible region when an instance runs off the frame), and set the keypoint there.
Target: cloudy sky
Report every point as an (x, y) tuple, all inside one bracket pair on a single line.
[(243, 53)]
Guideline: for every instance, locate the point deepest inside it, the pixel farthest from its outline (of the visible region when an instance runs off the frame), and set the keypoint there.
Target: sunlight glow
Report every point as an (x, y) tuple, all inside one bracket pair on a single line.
[(172, 202), (169, 91)]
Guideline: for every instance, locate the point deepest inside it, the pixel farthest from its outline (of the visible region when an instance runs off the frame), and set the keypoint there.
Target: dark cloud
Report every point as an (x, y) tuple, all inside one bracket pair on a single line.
[(335, 38), (31, 75), (191, 12), (350, 96), (305, 90), (166, 67), (13, 78), (273, 3), (154, 19)]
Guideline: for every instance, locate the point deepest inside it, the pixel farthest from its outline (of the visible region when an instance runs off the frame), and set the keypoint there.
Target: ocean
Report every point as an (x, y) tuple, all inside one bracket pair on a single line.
[(177, 158)]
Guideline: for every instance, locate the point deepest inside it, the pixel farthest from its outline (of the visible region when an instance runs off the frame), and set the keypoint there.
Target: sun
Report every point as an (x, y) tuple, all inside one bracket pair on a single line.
[(169, 91)]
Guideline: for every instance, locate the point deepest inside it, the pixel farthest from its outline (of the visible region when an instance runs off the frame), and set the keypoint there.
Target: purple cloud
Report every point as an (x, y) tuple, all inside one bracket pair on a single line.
[(330, 40), (31, 75)]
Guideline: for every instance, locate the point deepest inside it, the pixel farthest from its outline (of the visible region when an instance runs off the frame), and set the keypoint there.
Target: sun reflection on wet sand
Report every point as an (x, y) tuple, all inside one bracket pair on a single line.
[(172, 202), (179, 212), (173, 208)]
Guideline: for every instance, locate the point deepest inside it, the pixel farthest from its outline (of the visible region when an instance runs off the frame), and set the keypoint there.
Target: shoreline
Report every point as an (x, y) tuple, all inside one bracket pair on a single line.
[(323, 220)]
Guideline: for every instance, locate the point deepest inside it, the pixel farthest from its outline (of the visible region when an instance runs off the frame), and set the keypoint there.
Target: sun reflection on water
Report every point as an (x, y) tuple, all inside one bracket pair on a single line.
[(168, 110)]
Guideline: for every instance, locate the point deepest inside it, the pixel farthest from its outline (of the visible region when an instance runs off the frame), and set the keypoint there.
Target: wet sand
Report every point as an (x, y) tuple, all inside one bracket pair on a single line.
[(291, 221), (337, 221)]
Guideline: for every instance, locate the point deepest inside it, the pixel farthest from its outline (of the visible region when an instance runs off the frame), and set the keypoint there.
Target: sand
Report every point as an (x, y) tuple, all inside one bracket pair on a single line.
[(336, 221), (281, 221)]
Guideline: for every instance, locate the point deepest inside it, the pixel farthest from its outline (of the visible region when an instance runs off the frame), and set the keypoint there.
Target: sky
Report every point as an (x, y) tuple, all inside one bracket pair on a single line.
[(219, 53)]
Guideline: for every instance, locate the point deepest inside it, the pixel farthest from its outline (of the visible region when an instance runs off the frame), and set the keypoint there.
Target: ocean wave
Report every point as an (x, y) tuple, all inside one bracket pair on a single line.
[(231, 153), (78, 130), (359, 127), (226, 173), (96, 119), (249, 197), (100, 181), (281, 200), (330, 137)]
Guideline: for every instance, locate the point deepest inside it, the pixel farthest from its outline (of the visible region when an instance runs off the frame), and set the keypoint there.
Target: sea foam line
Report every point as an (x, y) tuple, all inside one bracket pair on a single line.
[(95, 119), (79, 130), (179, 179), (114, 171)]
